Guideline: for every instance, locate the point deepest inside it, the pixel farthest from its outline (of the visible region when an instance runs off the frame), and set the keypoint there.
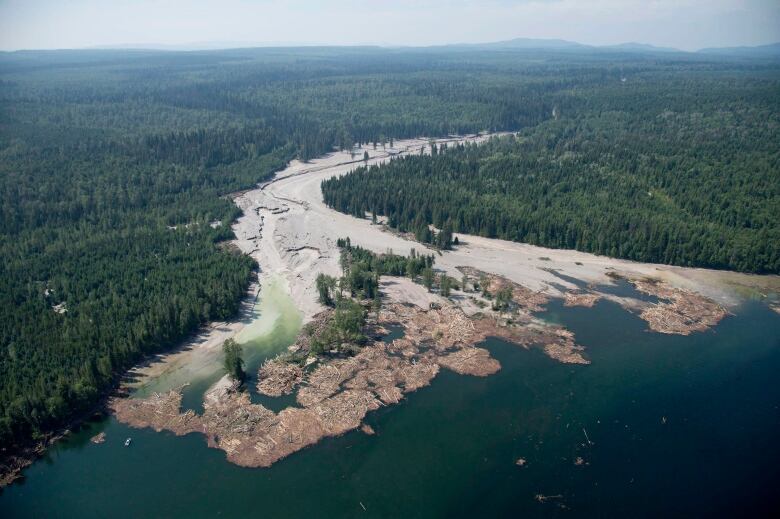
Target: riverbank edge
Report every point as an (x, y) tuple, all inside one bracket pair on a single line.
[(15, 458)]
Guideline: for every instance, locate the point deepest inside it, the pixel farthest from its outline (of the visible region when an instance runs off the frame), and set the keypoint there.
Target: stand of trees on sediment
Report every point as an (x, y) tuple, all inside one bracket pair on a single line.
[(233, 360), (114, 168), (359, 284)]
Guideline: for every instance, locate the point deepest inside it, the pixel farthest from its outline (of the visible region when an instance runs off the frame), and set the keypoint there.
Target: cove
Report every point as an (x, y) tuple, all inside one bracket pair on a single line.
[(272, 326)]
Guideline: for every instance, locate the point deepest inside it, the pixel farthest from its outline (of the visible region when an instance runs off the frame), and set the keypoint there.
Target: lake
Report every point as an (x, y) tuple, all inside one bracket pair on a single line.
[(664, 425)]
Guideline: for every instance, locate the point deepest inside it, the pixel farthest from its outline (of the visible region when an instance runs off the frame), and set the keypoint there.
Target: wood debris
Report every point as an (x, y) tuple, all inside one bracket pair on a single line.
[(563, 348), (527, 330), (470, 361), (557, 342), (586, 299), (278, 377), (679, 311), (527, 300), (543, 499), (311, 330)]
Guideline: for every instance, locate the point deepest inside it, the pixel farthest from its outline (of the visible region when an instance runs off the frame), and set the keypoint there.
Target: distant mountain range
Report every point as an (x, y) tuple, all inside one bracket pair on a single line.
[(554, 44), (759, 51), (198, 46), (639, 47)]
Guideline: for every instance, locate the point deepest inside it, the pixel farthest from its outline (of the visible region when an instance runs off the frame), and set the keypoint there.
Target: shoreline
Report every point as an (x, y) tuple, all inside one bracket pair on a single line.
[(275, 229), (289, 208)]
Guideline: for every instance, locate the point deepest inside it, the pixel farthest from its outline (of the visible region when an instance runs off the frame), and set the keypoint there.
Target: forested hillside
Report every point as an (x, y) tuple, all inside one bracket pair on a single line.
[(114, 166), (680, 168)]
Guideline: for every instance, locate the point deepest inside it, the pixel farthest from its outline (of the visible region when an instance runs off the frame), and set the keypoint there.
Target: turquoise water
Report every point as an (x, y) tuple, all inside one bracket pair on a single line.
[(449, 450), (273, 325)]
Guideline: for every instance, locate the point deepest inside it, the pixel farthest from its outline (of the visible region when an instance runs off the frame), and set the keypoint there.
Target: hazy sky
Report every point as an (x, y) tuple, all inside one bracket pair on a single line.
[(686, 24)]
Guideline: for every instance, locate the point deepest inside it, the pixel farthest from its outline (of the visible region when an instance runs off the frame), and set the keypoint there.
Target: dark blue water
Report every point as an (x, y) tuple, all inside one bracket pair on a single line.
[(449, 450), (622, 288), (395, 331)]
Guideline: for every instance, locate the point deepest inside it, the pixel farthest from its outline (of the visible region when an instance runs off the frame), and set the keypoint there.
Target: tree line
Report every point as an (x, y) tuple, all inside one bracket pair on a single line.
[(623, 172)]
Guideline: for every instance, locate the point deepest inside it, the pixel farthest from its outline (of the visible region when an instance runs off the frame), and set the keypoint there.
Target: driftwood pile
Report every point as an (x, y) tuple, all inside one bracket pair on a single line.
[(586, 299), (279, 377), (680, 312)]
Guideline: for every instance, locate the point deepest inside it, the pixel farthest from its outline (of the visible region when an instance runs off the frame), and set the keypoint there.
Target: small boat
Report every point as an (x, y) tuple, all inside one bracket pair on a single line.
[(128, 441)]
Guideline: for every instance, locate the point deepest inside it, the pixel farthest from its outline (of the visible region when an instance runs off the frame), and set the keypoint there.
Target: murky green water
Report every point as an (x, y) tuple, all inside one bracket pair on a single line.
[(272, 326), (677, 426)]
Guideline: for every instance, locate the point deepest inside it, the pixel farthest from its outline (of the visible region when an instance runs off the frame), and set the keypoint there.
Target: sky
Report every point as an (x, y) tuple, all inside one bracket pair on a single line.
[(684, 24)]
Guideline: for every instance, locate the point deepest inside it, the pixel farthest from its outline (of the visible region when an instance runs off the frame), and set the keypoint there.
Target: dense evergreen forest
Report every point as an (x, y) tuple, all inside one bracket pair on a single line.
[(114, 166), (681, 169)]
